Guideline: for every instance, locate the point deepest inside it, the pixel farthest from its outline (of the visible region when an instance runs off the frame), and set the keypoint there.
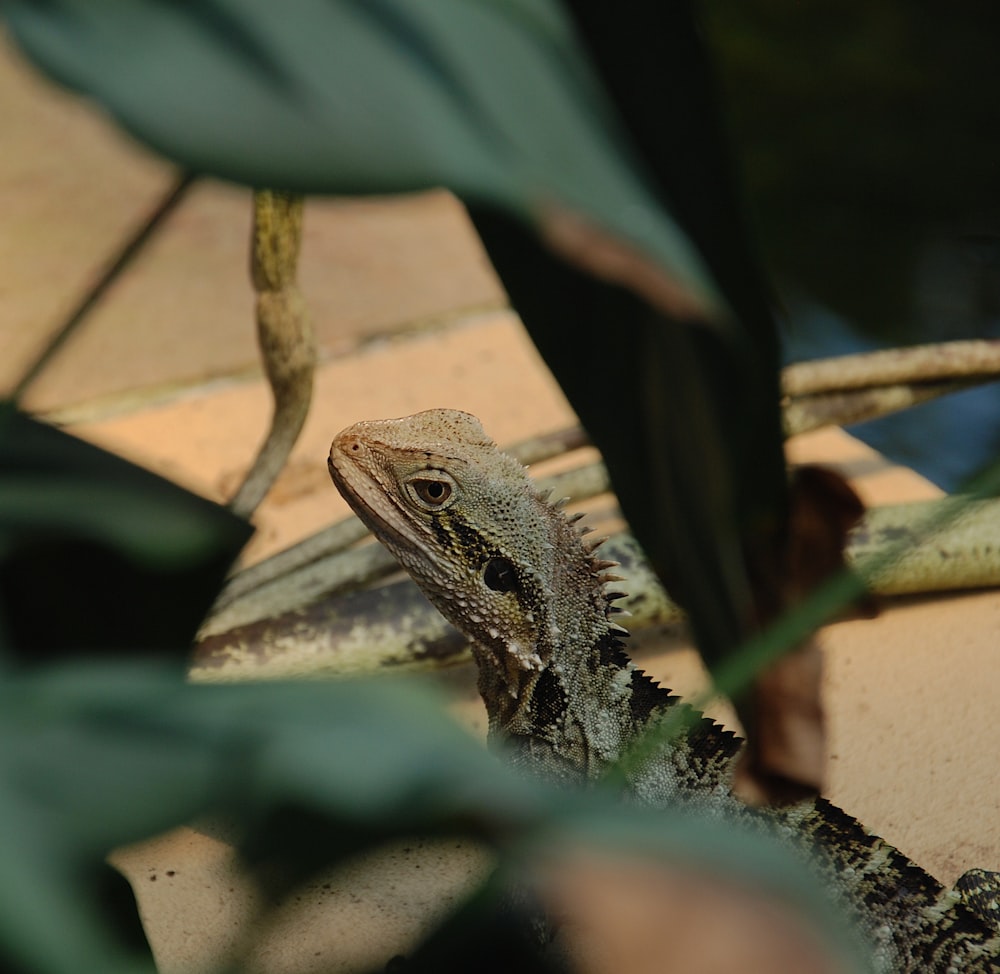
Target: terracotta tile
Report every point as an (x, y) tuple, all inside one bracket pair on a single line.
[(75, 189), (72, 186)]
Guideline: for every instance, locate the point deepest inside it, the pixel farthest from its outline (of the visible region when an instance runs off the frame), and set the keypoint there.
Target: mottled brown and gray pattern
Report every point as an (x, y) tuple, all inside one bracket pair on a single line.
[(517, 575)]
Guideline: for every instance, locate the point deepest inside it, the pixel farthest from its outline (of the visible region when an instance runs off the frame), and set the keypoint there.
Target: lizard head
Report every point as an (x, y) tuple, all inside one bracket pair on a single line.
[(467, 524)]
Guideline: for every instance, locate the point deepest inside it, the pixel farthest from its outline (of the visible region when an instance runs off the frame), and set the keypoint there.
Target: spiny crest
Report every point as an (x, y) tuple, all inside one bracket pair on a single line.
[(598, 566)]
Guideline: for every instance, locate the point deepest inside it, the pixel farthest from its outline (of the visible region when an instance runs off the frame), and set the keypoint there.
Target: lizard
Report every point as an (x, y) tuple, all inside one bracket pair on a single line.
[(517, 575)]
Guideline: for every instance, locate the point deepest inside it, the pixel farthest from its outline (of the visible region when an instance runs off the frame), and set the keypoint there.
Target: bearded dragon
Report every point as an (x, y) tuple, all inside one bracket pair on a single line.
[(519, 577)]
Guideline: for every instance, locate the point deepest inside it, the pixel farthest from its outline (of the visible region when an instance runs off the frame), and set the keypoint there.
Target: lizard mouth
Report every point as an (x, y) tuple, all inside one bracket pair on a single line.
[(355, 486), (352, 485)]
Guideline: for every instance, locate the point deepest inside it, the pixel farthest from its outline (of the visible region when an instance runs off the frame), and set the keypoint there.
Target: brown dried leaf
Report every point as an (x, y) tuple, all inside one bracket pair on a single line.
[(784, 759), (619, 915), (593, 249)]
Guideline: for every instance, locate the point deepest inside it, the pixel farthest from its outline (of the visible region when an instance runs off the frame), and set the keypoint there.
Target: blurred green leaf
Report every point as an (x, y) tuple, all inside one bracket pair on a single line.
[(97, 553), (492, 99), (108, 512), (97, 755), (114, 752)]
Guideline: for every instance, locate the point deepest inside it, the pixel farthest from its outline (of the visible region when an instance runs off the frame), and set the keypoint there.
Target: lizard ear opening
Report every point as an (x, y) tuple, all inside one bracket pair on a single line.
[(500, 575), (431, 490)]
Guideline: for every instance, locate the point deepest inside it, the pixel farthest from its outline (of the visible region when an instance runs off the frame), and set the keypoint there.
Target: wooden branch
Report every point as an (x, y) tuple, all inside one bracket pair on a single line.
[(806, 408), (894, 366), (963, 554), (336, 538), (802, 414), (549, 445), (393, 625), (285, 336)]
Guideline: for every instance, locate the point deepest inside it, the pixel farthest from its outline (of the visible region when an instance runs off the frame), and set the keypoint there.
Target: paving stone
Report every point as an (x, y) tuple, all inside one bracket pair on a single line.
[(183, 312), (72, 186)]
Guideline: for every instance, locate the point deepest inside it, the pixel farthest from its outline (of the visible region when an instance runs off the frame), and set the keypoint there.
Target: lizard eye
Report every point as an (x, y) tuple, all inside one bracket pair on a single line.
[(432, 490)]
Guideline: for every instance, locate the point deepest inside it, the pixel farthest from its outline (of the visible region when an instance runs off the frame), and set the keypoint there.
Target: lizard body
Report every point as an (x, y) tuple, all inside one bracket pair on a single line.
[(519, 577)]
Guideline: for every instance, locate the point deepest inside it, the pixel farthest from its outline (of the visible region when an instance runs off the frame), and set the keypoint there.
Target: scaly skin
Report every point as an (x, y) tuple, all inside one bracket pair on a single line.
[(516, 575)]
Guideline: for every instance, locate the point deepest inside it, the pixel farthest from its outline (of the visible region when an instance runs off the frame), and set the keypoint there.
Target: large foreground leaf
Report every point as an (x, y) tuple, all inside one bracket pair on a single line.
[(98, 554), (493, 99), (95, 755)]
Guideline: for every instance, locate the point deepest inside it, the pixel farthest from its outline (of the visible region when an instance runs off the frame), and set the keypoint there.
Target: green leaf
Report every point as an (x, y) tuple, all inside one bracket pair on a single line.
[(109, 512), (98, 553), (493, 99), (96, 755), (118, 751), (53, 482)]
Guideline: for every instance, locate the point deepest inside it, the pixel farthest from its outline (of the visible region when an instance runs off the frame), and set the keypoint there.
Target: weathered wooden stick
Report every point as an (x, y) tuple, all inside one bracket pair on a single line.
[(894, 366), (393, 626), (285, 335)]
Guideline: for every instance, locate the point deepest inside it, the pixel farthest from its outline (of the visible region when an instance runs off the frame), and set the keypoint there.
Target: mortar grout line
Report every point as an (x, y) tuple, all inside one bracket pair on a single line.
[(116, 405)]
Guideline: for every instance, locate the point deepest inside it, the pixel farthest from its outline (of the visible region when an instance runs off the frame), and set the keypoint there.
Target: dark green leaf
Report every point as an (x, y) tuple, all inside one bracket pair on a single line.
[(687, 419), (108, 512), (97, 553), (93, 756), (492, 99)]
